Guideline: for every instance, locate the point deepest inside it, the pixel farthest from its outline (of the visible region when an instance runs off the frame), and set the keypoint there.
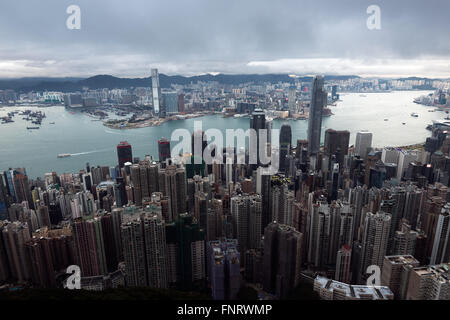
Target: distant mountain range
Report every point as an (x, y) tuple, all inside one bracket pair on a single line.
[(111, 82)]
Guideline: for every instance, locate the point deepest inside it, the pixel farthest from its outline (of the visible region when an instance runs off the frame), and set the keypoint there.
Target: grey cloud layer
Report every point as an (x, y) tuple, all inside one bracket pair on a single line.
[(213, 35)]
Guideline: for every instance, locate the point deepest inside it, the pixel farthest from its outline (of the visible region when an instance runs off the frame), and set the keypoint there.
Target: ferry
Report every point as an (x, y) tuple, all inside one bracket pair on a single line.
[(64, 155)]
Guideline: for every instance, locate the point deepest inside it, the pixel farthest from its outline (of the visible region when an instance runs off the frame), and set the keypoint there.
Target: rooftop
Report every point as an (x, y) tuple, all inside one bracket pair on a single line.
[(355, 291), (402, 259)]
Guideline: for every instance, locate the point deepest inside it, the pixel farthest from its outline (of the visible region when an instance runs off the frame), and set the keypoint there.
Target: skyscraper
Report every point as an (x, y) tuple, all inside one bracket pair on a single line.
[(246, 213), (163, 149), (4, 202), (264, 188), (285, 145), (186, 252), (292, 100), (374, 240), (393, 267), (318, 102), (156, 92), (171, 102), (363, 143), (429, 283), (343, 260), (404, 159), (89, 247), (441, 245), (155, 250), (15, 235), (224, 269), (336, 143), (319, 234), (43, 215), (282, 259), (124, 153), (49, 252), (257, 122), (405, 240), (181, 102), (390, 155), (21, 186), (175, 189), (133, 243), (201, 209), (281, 199)]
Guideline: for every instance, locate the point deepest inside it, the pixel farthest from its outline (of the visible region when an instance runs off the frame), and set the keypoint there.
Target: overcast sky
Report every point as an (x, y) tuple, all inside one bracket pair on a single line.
[(128, 37)]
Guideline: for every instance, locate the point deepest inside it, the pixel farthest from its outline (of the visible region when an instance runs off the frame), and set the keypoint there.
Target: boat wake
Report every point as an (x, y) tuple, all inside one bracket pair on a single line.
[(87, 152), (125, 134)]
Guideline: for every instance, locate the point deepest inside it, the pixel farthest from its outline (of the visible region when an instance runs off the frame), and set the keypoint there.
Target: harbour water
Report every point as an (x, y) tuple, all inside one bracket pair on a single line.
[(89, 141)]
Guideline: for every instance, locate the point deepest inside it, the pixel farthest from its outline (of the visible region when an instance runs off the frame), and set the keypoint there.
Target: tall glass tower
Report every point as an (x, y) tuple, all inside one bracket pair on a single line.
[(156, 91), (258, 122), (285, 144), (318, 102)]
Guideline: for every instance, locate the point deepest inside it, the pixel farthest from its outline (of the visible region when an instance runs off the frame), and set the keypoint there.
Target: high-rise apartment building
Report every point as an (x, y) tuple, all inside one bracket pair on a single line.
[(281, 200), (155, 250), (282, 259), (429, 283), (405, 240), (393, 268), (175, 189), (89, 247), (375, 239), (186, 253), (133, 244), (49, 252), (246, 212), (15, 235), (224, 269), (319, 234), (343, 262)]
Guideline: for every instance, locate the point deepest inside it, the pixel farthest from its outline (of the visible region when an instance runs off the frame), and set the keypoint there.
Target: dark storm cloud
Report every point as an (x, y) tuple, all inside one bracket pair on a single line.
[(194, 36)]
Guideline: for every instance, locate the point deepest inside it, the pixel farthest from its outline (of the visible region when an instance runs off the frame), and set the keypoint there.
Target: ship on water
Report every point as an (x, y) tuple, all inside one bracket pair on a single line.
[(64, 155)]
